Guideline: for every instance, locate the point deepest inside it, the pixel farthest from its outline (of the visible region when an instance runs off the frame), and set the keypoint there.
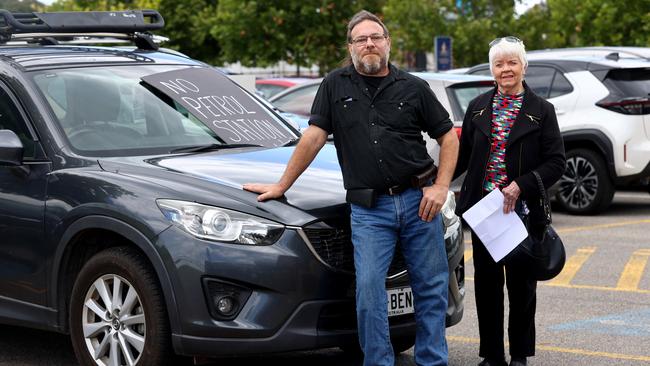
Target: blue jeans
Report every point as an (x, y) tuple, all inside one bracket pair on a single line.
[(374, 234)]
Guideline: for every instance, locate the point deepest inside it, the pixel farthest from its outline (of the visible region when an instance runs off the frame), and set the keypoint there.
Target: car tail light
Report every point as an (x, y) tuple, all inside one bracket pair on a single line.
[(635, 106)]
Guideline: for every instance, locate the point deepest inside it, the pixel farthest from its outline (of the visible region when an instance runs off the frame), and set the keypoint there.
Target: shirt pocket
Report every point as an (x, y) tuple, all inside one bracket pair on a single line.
[(401, 116), (347, 111)]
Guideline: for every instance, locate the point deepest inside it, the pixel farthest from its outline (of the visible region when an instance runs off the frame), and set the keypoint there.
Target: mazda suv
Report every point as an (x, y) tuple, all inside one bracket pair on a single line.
[(123, 217)]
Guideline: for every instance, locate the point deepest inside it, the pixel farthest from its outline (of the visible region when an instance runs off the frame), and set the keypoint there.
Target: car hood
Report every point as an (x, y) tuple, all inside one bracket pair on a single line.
[(319, 187)]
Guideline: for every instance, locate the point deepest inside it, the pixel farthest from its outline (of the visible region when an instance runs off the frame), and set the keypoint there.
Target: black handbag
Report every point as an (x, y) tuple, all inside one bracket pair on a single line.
[(541, 252)]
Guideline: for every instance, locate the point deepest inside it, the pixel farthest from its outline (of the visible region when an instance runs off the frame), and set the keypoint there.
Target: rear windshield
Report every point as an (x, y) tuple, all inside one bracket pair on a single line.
[(628, 83), (461, 94)]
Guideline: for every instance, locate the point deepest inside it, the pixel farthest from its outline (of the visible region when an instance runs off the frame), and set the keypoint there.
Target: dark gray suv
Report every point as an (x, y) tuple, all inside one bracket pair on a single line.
[(123, 218)]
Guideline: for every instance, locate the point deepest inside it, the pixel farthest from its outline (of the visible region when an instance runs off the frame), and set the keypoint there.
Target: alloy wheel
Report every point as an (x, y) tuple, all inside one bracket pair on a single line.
[(113, 322), (579, 183)]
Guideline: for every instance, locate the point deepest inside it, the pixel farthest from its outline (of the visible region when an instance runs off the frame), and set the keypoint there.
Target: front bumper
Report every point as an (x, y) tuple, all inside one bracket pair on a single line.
[(296, 301), (301, 331)]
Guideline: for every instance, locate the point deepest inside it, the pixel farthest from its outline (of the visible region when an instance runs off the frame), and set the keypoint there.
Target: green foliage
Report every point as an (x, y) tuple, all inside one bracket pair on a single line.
[(600, 22), (188, 24), (414, 24), (102, 5), (302, 32), (21, 6), (306, 32)]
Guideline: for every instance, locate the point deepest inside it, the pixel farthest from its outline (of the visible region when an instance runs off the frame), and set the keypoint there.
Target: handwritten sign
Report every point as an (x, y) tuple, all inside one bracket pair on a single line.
[(235, 116)]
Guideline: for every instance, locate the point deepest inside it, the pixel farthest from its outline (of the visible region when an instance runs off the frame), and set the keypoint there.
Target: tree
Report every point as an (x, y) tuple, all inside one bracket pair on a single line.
[(414, 25), (476, 24), (102, 5), (301, 32), (533, 27), (600, 22), (21, 5), (188, 24)]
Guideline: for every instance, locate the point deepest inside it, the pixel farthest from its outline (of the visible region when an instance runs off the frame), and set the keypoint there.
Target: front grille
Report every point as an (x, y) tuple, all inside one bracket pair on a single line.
[(333, 246)]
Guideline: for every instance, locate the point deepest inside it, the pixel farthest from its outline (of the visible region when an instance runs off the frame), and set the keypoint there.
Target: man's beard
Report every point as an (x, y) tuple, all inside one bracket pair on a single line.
[(370, 67)]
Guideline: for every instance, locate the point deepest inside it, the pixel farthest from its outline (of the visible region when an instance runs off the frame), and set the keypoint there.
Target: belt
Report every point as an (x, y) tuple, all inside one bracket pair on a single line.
[(395, 190), (417, 181)]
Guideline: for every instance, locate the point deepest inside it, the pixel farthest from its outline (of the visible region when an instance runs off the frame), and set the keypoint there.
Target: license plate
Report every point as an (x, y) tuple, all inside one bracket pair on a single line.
[(400, 301)]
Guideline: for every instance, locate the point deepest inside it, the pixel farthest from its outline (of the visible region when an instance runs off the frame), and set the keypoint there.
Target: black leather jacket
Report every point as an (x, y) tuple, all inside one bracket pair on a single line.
[(534, 143)]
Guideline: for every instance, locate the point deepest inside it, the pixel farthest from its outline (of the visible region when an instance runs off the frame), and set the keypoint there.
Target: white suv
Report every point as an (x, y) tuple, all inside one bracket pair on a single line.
[(603, 107)]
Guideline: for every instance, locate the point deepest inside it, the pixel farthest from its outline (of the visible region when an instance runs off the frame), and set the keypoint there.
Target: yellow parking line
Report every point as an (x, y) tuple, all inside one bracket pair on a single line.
[(468, 255), (573, 265), (585, 287), (601, 226), (575, 351), (599, 288), (633, 270)]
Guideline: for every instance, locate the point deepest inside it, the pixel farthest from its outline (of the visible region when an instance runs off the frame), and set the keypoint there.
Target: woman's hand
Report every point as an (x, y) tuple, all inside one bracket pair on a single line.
[(510, 195)]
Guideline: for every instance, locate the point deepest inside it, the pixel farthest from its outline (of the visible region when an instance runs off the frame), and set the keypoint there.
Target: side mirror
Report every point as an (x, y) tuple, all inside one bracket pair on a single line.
[(11, 149)]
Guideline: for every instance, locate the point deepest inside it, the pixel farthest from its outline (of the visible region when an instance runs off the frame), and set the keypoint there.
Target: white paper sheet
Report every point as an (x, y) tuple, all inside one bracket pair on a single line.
[(500, 232)]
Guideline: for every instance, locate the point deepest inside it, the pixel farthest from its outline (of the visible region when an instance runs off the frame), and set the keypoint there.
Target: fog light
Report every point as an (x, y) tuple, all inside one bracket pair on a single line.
[(225, 300), (225, 305)]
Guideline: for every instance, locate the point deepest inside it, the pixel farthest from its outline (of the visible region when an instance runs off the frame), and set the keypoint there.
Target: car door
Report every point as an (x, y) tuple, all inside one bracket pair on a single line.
[(22, 208)]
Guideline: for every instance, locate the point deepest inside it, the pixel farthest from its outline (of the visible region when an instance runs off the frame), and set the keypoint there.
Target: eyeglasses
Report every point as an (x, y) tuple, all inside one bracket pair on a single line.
[(375, 38), (511, 39)]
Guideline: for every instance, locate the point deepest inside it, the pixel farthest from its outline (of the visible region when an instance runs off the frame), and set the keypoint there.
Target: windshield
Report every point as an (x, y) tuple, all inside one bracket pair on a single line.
[(111, 111)]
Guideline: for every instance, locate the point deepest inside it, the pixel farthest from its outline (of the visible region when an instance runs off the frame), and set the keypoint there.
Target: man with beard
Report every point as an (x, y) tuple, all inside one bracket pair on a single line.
[(377, 113)]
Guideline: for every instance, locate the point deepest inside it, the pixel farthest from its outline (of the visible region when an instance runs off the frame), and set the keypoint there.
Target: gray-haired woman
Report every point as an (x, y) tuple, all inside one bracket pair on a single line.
[(508, 133)]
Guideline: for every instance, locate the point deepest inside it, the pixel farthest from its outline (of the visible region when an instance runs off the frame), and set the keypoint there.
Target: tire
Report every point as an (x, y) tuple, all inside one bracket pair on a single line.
[(129, 329), (585, 188)]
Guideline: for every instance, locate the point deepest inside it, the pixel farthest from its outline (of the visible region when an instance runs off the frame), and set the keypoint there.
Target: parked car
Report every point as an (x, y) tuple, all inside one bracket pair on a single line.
[(611, 52), (272, 86), (601, 100), (123, 217)]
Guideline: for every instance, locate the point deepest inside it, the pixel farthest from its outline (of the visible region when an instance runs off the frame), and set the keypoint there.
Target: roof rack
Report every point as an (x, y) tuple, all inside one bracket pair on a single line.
[(46, 28)]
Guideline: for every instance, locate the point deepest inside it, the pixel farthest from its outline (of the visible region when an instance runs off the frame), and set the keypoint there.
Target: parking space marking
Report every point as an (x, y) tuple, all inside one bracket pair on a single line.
[(576, 351), (628, 281), (634, 323), (598, 288), (572, 266), (601, 226), (468, 255), (633, 270)]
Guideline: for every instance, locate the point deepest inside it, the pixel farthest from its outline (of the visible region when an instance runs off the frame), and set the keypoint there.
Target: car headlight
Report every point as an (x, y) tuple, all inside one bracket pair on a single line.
[(448, 210), (220, 224)]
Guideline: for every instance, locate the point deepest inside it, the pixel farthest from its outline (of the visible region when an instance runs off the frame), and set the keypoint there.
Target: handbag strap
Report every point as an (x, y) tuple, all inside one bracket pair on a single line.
[(544, 198)]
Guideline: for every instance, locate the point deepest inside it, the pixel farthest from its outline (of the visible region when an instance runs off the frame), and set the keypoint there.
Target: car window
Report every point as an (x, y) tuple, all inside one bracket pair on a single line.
[(540, 79), (269, 90), (298, 101), (628, 91), (110, 111), (628, 83), (560, 86), (12, 119), (463, 93)]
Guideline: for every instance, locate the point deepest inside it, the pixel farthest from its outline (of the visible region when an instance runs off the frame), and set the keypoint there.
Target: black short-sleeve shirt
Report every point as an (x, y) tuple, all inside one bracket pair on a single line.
[(378, 137)]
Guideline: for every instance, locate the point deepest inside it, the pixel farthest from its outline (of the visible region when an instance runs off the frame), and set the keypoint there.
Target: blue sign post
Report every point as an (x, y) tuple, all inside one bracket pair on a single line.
[(443, 53)]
